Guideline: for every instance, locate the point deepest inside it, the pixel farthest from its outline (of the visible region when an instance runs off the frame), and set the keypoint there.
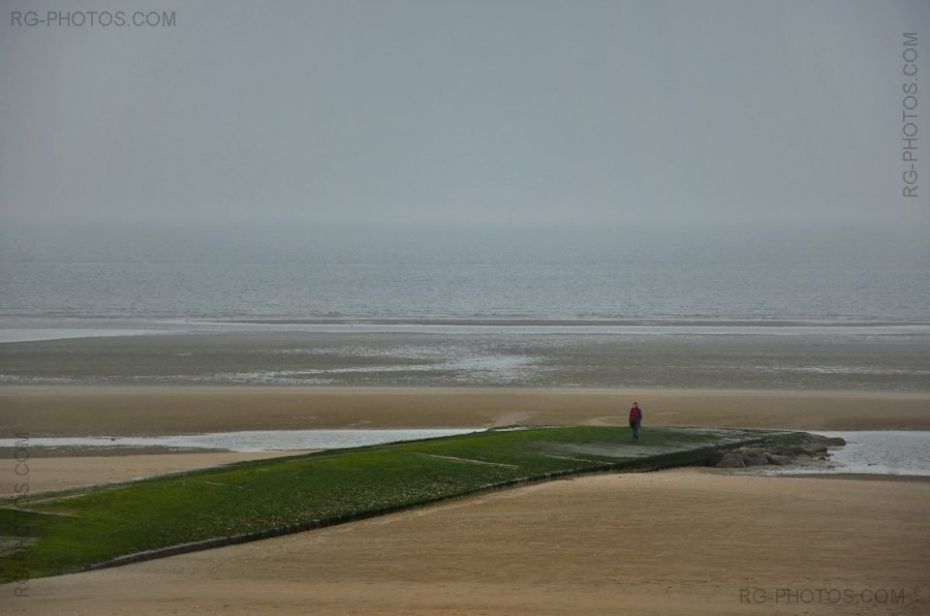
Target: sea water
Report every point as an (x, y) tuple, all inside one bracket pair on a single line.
[(468, 274), (790, 308)]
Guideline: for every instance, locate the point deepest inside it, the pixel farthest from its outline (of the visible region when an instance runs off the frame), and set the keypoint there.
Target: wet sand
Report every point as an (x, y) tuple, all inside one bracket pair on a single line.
[(124, 411), (811, 359), (674, 542)]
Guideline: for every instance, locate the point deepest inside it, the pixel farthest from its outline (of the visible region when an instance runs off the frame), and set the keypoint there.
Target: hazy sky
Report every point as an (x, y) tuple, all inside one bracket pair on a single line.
[(463, 111)]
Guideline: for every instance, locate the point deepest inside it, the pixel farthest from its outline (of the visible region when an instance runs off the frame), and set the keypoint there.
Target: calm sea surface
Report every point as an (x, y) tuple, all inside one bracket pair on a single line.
[(470, 274), (812, 309)]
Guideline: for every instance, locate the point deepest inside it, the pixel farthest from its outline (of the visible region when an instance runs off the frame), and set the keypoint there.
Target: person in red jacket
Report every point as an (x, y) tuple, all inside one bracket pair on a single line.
[(636, 418)]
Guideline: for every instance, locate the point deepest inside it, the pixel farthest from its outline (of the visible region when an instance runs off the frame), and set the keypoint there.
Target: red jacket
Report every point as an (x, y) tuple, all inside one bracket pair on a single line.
[(636, 414)]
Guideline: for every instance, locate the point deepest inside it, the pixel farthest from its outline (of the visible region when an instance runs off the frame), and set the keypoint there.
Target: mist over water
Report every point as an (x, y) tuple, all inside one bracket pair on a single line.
[(480, 273)]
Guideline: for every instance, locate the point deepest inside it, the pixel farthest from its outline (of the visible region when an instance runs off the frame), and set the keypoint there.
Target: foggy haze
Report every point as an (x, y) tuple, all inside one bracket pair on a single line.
[(519, 112)]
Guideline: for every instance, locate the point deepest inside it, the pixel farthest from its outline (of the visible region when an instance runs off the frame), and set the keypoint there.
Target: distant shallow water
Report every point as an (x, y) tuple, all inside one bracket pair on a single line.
[(248, 441), (885, 452)]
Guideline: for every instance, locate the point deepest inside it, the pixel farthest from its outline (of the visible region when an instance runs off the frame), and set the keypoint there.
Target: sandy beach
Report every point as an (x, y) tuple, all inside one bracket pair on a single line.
[(118, 411), (674, 542)]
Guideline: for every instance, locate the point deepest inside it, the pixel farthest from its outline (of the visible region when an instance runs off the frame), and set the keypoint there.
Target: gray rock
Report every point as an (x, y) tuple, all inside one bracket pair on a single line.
[(731, 459), (793, 450), (779, 460), (755, 458)]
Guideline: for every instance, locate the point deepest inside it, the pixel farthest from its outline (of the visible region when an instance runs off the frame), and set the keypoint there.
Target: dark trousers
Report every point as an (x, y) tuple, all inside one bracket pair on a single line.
[(635, 426)]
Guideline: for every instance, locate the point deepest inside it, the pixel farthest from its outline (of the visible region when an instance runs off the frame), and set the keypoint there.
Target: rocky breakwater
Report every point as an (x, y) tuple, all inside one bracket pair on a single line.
[(801, 449)]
